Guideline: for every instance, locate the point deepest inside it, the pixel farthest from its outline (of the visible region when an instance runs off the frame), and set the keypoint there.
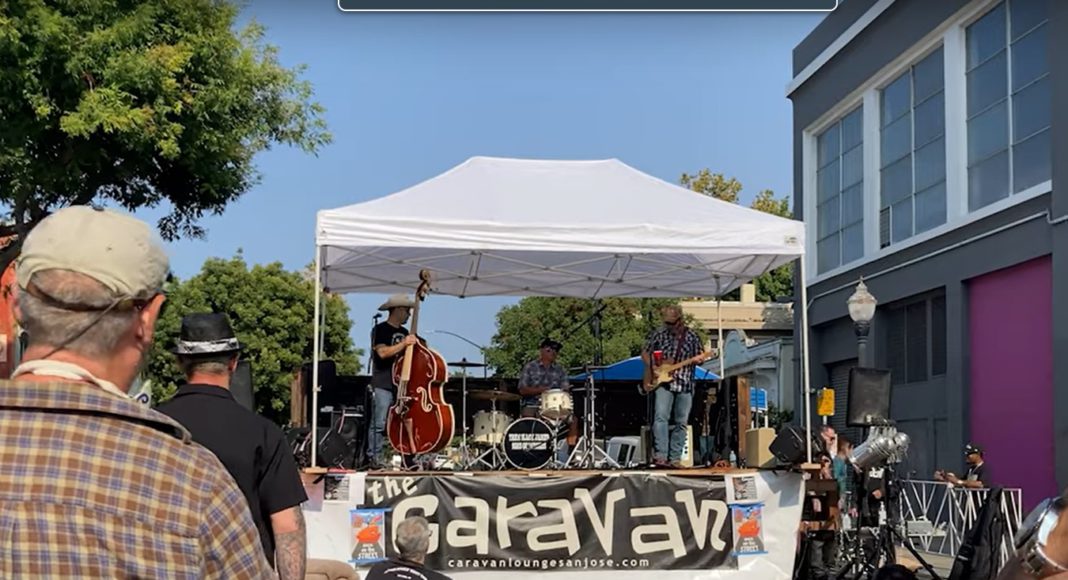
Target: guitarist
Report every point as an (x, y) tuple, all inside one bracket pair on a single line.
[(674, 342)]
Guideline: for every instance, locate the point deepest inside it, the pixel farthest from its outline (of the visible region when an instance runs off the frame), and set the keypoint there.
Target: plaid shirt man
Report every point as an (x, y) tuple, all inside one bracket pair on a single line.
[(535, 374), (665, 339), (96, 486)]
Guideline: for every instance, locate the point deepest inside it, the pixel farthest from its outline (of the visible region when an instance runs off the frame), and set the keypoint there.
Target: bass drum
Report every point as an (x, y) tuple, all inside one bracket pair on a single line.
[(528, 443)]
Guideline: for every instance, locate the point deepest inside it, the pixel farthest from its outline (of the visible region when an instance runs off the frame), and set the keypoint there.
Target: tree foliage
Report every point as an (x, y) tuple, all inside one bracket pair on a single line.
[(713, 184), (137, 103), (625, 323), (272, 312), (778, 282)]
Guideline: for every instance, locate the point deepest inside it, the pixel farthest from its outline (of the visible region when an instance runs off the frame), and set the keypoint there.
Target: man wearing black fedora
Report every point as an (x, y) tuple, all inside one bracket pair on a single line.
[(252, 449)]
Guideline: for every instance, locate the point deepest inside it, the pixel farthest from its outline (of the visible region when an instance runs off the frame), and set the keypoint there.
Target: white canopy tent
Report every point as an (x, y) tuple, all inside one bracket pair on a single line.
[(517, 227)]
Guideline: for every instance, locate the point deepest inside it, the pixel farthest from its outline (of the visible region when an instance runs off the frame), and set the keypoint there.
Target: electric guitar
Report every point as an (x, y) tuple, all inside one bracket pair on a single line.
[(663, 373)]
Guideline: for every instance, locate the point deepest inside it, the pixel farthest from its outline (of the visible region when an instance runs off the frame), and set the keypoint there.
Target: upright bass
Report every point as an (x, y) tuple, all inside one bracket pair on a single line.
[(420, 421)]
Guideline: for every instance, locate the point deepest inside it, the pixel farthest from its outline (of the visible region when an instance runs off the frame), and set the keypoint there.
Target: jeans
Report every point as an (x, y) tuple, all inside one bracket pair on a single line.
[(823, 557), (376, 432), (676, 408)]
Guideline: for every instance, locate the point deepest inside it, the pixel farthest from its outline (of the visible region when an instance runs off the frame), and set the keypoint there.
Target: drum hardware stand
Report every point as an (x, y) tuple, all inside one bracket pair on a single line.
[(586, 453), (591, 455), (496, 457), (465, 460)]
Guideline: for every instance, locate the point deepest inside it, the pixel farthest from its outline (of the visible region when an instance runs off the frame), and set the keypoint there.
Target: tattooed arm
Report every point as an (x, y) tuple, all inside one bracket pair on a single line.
[(291, 545)]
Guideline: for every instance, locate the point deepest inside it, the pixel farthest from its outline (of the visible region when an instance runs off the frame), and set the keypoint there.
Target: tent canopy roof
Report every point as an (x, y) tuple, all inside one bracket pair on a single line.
[(517, 227)]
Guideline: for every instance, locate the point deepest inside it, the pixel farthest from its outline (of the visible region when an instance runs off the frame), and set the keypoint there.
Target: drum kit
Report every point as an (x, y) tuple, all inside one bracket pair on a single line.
[(499, 440)]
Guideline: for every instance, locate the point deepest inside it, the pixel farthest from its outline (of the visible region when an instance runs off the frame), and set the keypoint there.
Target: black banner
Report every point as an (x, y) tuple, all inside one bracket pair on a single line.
[(598, 522)]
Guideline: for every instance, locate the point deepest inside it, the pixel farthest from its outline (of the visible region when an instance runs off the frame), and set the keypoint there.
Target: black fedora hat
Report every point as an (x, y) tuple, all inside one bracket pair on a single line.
[(548, 342), (206, 333)]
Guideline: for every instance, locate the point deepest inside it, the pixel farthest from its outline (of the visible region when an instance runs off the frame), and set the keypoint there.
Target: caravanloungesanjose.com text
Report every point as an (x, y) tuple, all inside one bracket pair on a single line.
[(547, 564)]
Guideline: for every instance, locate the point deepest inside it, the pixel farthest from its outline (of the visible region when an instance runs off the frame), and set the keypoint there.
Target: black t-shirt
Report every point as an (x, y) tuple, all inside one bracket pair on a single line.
[(252, 449), (401, 570), (382, 368), (976, 473)]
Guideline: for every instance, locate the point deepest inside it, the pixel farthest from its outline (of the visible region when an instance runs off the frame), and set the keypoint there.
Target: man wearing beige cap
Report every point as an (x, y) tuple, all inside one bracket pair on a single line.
[(388, 341), (93, 484)]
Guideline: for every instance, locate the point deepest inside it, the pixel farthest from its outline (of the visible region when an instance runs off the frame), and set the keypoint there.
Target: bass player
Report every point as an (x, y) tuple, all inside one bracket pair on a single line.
[(388, 341), (672, 342)]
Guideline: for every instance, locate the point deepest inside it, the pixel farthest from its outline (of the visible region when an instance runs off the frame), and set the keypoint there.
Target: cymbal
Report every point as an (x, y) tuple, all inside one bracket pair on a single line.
[(488, 395), (466, 364)]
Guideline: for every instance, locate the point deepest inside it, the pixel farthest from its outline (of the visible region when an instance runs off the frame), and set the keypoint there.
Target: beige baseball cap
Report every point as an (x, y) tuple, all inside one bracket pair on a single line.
[(118, 250)]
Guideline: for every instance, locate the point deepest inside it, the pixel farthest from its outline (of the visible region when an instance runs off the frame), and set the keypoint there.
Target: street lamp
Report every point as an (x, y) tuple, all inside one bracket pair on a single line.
[(862, 309), (480, 348)]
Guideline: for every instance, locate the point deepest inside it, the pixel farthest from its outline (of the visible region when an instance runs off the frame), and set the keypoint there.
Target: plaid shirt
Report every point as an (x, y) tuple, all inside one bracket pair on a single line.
[(666, 340), (93, 486), (535, 374)]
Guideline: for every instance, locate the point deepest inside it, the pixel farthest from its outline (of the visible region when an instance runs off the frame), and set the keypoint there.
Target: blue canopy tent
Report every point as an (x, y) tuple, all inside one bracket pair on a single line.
[(631, 369)]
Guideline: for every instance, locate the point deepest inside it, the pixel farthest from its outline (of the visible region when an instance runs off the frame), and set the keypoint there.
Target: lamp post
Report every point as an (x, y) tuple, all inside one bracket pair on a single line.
[(862, 309), (481, 349)]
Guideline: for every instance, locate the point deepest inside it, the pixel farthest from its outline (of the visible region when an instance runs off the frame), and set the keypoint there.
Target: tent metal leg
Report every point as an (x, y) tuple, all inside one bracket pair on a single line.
[(805, 378), (315, 358)]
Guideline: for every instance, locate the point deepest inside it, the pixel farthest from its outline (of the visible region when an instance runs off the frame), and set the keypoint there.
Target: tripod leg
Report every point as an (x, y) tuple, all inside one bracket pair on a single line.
[(915, 554)]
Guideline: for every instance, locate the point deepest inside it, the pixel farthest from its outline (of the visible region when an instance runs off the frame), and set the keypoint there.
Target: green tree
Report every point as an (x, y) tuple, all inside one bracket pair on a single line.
[(713, 184), (272, 312), (136, 103), (625, 323), (778, 282)]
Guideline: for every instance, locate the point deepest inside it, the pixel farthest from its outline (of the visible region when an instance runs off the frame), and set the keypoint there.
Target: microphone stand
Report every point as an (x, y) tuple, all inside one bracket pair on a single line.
[(368, 397), (591, 454)]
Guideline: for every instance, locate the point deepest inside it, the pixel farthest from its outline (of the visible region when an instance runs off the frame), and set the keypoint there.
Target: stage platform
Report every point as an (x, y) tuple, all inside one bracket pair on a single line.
[(597, 524)]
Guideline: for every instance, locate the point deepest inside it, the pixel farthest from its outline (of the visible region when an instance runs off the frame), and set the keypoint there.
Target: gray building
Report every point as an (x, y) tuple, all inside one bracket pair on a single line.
[(929, 154)]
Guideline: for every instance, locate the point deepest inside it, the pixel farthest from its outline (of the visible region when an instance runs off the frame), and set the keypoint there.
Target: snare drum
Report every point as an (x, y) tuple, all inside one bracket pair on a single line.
[(528, 444), (556, 404), (489, 427)]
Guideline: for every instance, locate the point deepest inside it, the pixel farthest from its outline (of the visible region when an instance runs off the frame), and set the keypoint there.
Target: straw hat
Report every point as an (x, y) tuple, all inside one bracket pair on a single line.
[(398, 301)]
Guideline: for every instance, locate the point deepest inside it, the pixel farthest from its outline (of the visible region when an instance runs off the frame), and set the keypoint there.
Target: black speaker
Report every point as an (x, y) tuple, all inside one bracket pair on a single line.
[(339, 445), (327, 378), (789, 446), (869, 397), (241, 385)]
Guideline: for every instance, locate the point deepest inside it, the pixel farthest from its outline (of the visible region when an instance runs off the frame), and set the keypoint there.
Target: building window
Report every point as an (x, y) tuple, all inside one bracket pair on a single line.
[(912, 154), (1009, 101), (840, 193), (916, 339)]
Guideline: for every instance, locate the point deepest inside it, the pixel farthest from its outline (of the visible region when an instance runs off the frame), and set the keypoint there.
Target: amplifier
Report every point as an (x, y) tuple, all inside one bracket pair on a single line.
[(645, 446)]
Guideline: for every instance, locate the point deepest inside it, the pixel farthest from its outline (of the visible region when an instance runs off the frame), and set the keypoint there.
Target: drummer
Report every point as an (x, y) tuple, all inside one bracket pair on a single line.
[(540, 375)]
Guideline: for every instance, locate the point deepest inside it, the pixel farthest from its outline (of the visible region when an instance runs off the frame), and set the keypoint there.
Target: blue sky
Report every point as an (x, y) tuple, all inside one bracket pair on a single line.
[(410, 95)]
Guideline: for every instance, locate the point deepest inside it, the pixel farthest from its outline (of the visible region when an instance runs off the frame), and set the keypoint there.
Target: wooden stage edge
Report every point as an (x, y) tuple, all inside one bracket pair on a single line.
[(695, 472)]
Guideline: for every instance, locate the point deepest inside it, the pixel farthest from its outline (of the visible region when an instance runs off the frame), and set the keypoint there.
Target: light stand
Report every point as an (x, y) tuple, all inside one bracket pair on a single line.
[(887, 537), (885, 441)]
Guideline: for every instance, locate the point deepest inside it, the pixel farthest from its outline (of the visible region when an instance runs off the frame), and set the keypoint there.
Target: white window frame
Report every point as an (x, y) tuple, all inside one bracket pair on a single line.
[(813, 233), (951, 36)]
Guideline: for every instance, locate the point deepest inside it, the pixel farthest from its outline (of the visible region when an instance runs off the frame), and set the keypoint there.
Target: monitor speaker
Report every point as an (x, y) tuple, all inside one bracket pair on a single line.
[(241, 385), (789, 446), (869, 397)]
